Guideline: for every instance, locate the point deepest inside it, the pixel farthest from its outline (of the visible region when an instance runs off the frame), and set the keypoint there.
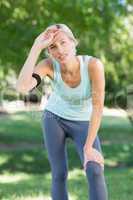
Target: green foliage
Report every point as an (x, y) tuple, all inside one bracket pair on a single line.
[(103, 27)]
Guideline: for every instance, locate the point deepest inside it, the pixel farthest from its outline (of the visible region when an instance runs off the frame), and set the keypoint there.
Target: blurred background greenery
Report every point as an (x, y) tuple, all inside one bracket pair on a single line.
[(104, 29)]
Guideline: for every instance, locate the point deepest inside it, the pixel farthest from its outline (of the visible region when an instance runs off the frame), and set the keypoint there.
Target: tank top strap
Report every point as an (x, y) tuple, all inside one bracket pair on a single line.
[(56, 70), (86, 60), (86, 76)]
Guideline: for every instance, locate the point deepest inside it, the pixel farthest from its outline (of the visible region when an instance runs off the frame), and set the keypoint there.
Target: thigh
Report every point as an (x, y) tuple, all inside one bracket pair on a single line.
[(80, 135), (54, 141)]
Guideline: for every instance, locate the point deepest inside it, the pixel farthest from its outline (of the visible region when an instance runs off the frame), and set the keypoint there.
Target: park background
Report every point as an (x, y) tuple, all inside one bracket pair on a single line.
[(104, 29)]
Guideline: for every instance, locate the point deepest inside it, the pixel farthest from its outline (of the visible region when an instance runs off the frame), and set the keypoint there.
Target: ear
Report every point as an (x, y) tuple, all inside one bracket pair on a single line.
[(73, 44), (74, 47), (46, 52)]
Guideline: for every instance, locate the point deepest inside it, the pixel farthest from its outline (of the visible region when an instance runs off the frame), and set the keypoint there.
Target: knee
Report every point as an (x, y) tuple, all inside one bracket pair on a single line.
[(60, 176), (94, 168)]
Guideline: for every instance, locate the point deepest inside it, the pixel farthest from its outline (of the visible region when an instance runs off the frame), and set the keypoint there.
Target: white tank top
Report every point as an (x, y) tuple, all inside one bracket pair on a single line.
[(71, 103)]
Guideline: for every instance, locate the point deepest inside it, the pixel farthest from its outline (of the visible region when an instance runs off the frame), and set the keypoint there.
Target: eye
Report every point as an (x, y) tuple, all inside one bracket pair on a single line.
[(52, 47), (63, 42)]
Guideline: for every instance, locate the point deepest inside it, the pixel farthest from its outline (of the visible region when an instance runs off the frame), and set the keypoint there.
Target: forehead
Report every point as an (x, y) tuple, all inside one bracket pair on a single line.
[(60, 36)]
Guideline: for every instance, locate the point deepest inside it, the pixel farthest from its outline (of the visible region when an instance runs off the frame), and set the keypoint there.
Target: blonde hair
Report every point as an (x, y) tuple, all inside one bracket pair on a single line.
[(66, 30)]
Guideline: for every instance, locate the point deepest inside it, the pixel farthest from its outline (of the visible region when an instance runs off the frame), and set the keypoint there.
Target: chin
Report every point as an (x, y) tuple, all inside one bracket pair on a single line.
[(64, 60)]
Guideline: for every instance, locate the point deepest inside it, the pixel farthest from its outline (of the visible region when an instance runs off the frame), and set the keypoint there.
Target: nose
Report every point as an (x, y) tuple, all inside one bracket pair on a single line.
[(60, 49)]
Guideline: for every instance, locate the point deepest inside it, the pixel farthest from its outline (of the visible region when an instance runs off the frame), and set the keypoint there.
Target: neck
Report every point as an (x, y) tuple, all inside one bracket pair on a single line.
[(70, 66)]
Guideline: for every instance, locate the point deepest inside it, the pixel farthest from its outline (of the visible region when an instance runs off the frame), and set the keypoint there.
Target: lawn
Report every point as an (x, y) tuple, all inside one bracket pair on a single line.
[(25, 172)]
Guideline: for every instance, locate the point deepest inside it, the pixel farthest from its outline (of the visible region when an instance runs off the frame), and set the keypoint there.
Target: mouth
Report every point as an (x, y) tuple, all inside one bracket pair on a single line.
[(62, 57)]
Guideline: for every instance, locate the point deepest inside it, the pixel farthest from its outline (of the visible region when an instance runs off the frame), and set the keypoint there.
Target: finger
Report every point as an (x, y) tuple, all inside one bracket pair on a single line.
[(99, 156), (57, 35), (85, 165), (94, 156), (97, 152), (49, 36), (55, 30), (102, 166), (101, 161), (84, 168), (52, 30)]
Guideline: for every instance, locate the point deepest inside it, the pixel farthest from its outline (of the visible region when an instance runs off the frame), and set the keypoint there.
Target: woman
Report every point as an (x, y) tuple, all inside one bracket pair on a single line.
[(74, 108)]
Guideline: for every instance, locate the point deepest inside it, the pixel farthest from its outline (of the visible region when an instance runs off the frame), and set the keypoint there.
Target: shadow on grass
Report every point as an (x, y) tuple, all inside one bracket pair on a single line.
[(119, 183), (118, 151), (35, 161), (26, 126), (41, 184), (116, 129)]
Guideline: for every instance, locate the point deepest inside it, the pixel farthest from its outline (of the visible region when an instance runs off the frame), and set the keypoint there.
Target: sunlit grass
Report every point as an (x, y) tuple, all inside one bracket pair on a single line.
[(25, 173), (26, 126), (25, 186), (21, 126), (12, 178)]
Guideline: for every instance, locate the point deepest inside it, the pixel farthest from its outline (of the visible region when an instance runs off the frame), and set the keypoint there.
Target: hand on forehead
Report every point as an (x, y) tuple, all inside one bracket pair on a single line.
[(54, 29), (59, 35), (51, 29), (56, 33)]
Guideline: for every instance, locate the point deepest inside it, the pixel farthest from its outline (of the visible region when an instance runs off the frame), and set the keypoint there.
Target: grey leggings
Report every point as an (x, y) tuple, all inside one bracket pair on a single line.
[(55, 132)]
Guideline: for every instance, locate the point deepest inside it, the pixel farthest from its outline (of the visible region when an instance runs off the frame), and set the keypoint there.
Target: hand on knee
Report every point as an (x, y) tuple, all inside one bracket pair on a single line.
[(94, 168)]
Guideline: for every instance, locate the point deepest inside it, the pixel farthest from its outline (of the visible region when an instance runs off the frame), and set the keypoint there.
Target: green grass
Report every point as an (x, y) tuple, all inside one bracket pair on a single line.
[(26, 126), (116, 129), (25, 172), (19, 127)]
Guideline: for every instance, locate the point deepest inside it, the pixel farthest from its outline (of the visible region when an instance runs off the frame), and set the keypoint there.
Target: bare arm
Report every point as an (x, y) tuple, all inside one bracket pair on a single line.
[(96, 70), (25, 80)]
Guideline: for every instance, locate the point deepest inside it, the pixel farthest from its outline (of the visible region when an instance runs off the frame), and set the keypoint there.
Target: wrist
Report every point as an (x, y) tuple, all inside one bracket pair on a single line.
[(36, 48), (88, 147)]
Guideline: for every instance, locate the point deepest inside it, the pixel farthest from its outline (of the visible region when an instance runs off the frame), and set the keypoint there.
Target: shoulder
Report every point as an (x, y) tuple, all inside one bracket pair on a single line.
[(44, 67), (95, 63), (95, 68), (47, 63)]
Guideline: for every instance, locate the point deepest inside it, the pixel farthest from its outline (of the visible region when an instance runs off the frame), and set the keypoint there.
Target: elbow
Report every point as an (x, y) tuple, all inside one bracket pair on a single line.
[(98, 108), (21, 89)]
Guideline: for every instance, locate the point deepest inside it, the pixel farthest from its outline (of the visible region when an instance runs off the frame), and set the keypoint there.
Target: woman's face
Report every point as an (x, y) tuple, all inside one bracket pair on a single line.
[(62, 47)]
